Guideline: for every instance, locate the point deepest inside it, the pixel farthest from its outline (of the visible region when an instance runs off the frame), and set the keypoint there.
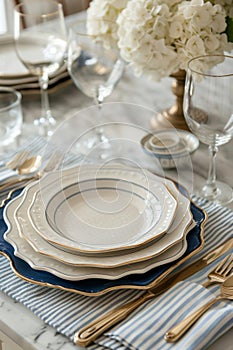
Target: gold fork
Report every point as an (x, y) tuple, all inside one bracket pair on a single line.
[(90, 332), (220, 272), (177, 331), (15, 161)]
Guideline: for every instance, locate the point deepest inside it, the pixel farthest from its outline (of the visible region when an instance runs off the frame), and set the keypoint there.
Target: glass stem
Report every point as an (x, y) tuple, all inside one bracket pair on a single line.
[(46, 119), (46, 112), (100, 105), (211, 185), (99, 129)]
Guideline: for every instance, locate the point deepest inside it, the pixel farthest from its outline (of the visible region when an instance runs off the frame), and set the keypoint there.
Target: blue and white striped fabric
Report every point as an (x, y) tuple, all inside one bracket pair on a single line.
[(144, 330)]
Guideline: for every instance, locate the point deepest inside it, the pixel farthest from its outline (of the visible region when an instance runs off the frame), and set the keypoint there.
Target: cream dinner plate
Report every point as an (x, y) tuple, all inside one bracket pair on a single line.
[(24, 250), (106, 210), (114, 259), (177, 232)]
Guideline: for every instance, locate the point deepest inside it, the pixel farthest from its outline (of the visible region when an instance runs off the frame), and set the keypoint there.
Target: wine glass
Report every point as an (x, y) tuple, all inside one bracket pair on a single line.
[(209, 92), (95, 70), (41, 45)]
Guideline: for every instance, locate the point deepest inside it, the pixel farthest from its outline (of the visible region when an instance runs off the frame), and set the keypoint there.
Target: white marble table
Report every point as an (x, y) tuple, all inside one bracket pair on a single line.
[(17, 323)]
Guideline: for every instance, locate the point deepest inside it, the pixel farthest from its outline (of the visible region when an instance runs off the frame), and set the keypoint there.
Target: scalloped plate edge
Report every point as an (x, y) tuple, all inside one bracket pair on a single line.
[(124, 286)]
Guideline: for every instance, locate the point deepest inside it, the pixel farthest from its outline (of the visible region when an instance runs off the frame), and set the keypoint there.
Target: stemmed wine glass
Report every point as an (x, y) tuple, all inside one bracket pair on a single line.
[(95, 70), (41, 45), (209, 92)]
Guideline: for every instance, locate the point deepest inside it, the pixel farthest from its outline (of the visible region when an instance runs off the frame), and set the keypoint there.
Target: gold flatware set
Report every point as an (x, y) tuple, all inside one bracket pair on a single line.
[(219, 274), (181, 328), (28, 167)]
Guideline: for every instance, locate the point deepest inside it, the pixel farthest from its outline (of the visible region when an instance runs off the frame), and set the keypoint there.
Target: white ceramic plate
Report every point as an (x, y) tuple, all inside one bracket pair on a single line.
[(23, 250), (99, 260), (32, 81), (112, 209), (14, 74), (176, 234)]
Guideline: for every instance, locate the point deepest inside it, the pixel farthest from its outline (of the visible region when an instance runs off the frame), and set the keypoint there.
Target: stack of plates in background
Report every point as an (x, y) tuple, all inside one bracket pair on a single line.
[(14, 75)]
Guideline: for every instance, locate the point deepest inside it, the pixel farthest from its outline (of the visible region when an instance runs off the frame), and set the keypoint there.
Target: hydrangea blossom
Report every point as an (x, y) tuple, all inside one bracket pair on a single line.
[(226, 4), (101, 20), (159, 37)]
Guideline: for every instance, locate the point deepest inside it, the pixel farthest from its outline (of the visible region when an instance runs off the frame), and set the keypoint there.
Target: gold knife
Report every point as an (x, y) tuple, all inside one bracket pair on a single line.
[(93, 330)]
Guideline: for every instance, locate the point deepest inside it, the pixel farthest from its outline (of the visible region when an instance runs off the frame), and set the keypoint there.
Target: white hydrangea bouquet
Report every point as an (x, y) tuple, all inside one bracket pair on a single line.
[(158, 37)]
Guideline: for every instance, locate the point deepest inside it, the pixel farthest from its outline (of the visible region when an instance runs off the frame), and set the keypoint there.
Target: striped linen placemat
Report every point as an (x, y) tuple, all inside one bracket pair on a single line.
[(68, 312)]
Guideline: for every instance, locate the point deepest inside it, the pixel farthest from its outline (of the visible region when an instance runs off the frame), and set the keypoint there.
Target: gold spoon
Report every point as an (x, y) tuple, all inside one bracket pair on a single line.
[(17, 160), (29, 166), (177, 331), (53, 164)]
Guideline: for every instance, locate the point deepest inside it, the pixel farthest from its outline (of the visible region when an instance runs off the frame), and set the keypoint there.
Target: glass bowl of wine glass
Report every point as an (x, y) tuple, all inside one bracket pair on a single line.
[(95, 70), (41, 45)]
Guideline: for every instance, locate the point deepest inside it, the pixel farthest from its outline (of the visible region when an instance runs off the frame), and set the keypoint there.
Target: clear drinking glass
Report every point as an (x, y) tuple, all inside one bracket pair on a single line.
[(11, 117), (41, 44), (95, 70), (209, 92)]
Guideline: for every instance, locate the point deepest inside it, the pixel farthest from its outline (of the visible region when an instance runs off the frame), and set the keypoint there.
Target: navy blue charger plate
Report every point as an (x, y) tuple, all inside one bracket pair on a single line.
[(94, 286)]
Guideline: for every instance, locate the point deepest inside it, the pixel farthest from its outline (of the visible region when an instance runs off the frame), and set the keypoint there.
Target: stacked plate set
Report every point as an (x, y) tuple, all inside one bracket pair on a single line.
[(14, 75), (92, 229)]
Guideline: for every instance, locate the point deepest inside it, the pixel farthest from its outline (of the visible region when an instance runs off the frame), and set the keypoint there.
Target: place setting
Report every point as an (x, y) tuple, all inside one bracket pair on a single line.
[(105, 228), (68, 232), (142, 222), (106, 223)]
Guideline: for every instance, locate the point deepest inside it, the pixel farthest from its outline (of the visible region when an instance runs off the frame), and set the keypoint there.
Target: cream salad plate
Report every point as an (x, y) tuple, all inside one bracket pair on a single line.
[(101, 210)]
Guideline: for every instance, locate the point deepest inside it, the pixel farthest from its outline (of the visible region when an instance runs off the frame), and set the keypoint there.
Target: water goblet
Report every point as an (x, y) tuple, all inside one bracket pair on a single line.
[(11, 117), (41, 44), (209, 92), (95, 70)]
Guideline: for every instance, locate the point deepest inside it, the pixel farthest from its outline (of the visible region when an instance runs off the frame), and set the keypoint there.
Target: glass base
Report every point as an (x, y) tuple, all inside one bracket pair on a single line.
[(45, 126), (97, 147), (223, 193)]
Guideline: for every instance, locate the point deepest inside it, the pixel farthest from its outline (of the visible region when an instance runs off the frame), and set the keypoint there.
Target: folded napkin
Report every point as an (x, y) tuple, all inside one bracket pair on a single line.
[(68, 312), (145, 329)]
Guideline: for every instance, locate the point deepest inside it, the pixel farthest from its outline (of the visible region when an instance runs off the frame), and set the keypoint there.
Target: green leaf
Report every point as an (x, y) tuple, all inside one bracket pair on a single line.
[(229, 29)]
